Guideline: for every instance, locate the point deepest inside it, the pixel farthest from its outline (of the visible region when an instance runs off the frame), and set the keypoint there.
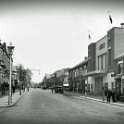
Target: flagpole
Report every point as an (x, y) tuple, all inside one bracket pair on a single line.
[(89, 37), (110, 20)]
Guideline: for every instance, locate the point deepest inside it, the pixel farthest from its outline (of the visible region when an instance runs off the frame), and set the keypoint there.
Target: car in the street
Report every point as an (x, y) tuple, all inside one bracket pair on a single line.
[(59, 89)]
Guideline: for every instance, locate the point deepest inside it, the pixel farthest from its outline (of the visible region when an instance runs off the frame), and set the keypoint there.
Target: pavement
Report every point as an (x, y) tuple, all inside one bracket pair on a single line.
[(15, 98), (94, 98)]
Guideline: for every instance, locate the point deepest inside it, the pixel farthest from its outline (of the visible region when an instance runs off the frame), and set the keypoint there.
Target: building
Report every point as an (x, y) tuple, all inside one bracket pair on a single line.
[(62, 77), (48, 81), (77, 81), (97, 72), (91, 68), (66, 78), (4, 65), (105, 63), (58, 78), (116, 58), (102, 70)]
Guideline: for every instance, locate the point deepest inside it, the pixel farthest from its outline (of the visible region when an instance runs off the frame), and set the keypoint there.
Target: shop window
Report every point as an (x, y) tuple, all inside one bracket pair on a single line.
[(120, 68)]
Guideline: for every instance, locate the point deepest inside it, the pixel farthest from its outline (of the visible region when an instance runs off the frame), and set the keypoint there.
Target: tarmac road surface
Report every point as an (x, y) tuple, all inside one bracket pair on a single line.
[(42, 107)]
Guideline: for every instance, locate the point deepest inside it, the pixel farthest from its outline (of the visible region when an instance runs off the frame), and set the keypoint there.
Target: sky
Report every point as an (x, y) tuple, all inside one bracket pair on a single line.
[(49, 35)]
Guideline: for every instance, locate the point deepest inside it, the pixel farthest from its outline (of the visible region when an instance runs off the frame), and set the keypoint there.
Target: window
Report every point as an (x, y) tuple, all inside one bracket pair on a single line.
[(109, 57), (102, 46), (98, 62), (101, 61)]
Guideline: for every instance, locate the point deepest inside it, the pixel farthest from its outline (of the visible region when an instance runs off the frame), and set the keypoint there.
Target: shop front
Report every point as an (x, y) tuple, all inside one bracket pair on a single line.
[(119, 87)]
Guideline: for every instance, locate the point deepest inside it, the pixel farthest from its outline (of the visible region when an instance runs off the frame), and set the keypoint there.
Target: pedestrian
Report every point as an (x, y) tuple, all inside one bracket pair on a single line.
[(3, 89), (109, 96), (117, 95), (13, 88), (113, 96), (28, 87), (20, 88), (103, 94), (52, 89)]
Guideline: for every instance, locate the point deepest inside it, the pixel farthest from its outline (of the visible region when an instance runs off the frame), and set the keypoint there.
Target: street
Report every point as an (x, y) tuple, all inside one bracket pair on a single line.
[(42, 107)]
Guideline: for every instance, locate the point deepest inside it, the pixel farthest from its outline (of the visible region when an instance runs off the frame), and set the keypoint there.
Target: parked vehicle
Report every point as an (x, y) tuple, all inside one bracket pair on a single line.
[(58, 89)]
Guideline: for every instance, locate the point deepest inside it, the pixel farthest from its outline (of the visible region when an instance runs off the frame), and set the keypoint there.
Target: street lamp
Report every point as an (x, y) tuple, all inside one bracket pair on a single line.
[(10, 52)]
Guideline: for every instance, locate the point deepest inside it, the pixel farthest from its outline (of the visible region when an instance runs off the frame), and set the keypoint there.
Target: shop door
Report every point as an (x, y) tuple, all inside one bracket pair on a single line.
[(118, 86), (98, 85)]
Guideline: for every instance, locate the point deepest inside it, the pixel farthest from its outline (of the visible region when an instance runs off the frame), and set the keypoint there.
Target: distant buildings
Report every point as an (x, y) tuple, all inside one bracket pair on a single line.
[(59, 77)]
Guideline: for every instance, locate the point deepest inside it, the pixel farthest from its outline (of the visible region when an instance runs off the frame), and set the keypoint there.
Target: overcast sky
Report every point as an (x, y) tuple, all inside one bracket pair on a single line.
[(53, 35)]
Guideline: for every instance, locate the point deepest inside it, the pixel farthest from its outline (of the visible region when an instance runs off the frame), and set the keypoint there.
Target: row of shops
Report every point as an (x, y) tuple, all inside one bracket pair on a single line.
[(102, 70)]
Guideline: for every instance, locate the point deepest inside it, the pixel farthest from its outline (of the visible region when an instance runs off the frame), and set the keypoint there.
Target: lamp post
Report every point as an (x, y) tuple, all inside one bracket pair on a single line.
[(10, 52)]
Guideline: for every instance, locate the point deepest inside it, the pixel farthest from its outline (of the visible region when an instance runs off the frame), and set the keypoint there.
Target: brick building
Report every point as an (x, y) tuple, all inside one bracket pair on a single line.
[(77, 81)]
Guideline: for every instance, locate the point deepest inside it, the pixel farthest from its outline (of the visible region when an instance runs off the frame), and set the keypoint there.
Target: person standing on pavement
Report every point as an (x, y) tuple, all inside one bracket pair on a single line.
[(28, 86), (20, 88), (13, 88), (103, 93), (3, 89), (109, 93), (52, 89)]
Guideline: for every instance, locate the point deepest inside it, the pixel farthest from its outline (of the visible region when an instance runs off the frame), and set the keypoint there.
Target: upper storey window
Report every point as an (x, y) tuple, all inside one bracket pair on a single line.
[(102, 46)]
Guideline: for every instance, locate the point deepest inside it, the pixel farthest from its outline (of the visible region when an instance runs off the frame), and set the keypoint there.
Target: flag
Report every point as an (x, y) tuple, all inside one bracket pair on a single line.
[(110, 18), (89, 36)]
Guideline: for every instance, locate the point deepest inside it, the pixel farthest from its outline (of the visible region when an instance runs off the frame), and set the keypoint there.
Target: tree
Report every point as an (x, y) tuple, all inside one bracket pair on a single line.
[(28, 76), (24, 75)]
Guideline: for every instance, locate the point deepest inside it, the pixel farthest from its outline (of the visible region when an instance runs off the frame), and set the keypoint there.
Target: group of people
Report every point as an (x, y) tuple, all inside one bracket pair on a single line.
[(23, 88), (52, 89), (4, 88), (111, 94)]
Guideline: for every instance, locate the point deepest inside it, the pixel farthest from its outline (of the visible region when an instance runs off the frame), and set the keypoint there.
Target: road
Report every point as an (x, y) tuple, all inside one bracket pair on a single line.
[(42, 107)]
